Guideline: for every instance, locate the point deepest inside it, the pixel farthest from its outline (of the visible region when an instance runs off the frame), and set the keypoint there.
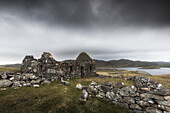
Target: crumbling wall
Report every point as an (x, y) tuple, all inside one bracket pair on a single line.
[(77, 69), (47, 66), (29, 65), (146, 96)]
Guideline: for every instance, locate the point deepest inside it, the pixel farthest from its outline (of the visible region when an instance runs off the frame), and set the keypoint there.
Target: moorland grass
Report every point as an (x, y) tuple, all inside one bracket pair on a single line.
[(163, 79), (3, 69), (56, 98)]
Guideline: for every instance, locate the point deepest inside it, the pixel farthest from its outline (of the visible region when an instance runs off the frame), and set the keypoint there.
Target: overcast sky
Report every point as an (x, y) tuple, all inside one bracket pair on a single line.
[(106, 29)]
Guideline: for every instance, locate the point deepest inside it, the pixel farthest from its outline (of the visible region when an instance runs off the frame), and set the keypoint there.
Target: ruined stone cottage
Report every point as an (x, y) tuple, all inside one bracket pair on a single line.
[(47, 66)]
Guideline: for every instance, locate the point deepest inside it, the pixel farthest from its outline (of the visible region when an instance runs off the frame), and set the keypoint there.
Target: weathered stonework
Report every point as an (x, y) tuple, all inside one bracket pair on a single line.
[(133, 97), (47, 66)]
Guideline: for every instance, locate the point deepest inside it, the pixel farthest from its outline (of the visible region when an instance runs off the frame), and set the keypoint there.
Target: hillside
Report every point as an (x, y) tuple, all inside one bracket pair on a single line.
[(114, 63), (124, 63), (12, 65)]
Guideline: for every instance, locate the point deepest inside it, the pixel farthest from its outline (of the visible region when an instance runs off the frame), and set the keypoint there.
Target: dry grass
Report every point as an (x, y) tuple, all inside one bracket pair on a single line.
[(55, 98), (163, 79), (3, 69)]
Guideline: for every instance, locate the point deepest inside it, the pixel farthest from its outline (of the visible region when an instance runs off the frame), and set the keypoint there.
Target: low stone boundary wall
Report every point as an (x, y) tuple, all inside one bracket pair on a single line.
[(14, 80), (103, 76), (146, 96)]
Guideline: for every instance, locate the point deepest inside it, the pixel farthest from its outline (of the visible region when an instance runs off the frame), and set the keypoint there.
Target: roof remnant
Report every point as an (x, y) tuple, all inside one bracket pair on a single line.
[(84, 57)]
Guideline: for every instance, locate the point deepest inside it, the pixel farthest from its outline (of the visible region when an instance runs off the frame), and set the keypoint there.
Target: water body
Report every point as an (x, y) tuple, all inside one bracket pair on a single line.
[(151, 71)]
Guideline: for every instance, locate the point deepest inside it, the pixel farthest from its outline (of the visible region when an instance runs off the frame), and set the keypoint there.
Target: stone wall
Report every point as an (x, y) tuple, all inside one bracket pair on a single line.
[(47, 69), (146, 96), (15, 80), (47, 66)]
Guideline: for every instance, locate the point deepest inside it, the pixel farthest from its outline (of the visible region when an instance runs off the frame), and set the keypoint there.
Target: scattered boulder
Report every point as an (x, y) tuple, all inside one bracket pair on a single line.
[(162, 107), (46, 82), (135, 106), (166, 103), (151, 96), (84, 95), (4, 75), (64, 82), (37, 81), (36, 85), (129, 99), (167, 98), (125, 91), (5, 83), (119, 85), (145, 89), (12, 78), (2, 89), (143, 103), (105, 88), (112, 96), (93, 83), (79, 86), (101, 95), (153, 110), (16, 84)]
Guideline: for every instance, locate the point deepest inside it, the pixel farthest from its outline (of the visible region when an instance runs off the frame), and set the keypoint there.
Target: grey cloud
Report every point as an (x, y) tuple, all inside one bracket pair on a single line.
[(106, 29), (86, 13)]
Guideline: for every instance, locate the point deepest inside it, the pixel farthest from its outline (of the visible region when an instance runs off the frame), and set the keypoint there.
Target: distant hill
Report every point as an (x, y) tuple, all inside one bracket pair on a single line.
[(163, 63), (124, 63), (114, 63), (12, 65)]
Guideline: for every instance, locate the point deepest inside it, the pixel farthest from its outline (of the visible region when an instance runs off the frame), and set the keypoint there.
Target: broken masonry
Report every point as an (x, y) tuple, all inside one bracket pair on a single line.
[(47, 66)]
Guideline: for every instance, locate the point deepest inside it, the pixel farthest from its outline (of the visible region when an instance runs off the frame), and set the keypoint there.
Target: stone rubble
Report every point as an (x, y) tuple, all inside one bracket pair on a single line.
[(46, 70), (146, 96), (47, 66), (22, 80), (102, 76), (64, 82), (79, 86)]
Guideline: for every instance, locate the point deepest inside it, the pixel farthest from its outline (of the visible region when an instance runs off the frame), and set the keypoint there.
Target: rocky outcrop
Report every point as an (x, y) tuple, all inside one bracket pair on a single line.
[(146, 96)]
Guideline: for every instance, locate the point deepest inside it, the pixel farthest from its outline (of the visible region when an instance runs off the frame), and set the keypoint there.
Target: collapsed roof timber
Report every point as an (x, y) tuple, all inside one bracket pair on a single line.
[(47, 66)]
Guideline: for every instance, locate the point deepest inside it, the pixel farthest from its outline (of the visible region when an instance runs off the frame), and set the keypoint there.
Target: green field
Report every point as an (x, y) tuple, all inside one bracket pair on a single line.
[(55, 98)]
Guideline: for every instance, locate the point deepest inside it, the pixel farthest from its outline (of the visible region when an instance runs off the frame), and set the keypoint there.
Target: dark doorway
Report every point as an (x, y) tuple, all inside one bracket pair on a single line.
[(71, 68), (82, 71), (90, 68)]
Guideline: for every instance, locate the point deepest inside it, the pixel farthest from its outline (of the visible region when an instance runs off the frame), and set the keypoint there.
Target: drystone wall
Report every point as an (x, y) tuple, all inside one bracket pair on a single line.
[(146, 96), (14, 80), (47, 66), (47, 69)]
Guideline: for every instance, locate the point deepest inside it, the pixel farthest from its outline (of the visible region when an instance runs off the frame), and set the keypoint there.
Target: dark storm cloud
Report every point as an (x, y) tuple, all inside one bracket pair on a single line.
[(87, 12), (106, 29)]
